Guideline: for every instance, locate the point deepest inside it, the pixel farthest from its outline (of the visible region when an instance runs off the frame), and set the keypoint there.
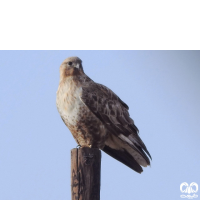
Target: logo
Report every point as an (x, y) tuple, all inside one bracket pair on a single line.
[(190, 189)]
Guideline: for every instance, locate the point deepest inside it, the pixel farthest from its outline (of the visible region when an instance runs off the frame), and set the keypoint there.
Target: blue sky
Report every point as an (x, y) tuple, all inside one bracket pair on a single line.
[(162, 89)]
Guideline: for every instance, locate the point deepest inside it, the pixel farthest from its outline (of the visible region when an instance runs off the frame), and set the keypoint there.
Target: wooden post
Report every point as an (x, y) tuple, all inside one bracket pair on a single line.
[(85, 173)]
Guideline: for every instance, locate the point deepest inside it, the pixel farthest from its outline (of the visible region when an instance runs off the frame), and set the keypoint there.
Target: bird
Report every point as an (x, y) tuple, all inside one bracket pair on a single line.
[(97, 117)]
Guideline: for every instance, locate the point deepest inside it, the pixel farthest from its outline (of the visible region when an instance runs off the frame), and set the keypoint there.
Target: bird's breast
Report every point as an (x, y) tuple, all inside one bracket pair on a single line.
[(86, 128), (68, 102)]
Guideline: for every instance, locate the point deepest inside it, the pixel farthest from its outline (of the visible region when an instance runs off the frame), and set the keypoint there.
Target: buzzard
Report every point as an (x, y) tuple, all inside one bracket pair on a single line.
[(97, 117)]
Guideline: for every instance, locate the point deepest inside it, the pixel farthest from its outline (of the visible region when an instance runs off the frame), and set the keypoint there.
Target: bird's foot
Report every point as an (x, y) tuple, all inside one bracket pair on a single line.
[(79, 146)]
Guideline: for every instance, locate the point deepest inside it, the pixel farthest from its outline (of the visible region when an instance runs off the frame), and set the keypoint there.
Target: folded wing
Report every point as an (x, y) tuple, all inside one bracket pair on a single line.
[(124, 143)]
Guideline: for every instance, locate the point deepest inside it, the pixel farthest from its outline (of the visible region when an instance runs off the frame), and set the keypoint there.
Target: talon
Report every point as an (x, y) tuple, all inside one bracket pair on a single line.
[(78, 146)]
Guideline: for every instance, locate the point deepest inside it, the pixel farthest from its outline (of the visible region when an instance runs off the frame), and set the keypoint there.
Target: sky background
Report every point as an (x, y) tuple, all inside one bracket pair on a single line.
[(162, 89)]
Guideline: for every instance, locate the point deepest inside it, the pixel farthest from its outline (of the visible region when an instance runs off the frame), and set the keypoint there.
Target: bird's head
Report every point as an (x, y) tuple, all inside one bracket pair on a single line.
[(71, 66)]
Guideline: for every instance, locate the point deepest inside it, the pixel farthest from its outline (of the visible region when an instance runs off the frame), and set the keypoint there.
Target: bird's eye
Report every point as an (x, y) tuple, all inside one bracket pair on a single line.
[(70, 63)]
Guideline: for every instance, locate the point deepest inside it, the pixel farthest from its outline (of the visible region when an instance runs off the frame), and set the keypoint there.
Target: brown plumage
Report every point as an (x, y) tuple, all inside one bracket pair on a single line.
[(97, 117)]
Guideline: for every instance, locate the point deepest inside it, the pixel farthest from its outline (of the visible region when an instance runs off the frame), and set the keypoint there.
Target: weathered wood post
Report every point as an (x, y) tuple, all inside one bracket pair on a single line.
[(85, 173)]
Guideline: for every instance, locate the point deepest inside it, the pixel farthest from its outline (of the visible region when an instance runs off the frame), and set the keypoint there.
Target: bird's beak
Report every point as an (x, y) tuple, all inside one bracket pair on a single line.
[(77, 66)]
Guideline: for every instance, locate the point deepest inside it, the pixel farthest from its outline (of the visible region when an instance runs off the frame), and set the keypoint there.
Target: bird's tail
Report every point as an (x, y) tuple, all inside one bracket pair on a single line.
[(122, 152)]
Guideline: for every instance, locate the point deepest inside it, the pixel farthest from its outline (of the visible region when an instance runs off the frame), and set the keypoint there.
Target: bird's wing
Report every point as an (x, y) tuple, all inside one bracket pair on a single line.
[(113, 112)]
